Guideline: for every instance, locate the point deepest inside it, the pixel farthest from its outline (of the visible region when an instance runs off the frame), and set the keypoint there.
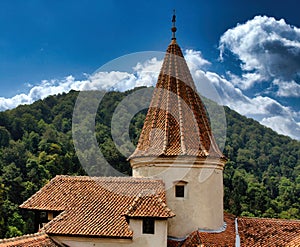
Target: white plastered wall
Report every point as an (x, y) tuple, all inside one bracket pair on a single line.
[(202, 206), (158, 239)]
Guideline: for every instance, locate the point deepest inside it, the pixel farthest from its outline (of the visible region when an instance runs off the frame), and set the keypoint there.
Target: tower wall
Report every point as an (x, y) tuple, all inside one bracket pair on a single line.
[(202, 204)]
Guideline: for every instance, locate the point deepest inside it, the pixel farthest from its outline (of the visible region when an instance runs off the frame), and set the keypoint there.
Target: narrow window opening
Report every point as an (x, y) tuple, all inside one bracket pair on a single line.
[(148, 226), (179, 190)]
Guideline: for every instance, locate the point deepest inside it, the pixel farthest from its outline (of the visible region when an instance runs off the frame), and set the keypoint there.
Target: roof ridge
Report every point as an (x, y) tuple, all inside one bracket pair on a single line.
[(167, 121), (95, 178), (273, 219), (23, 237), (179, 101), (165, 206), (57, 218), (38, 192), (139, 199)]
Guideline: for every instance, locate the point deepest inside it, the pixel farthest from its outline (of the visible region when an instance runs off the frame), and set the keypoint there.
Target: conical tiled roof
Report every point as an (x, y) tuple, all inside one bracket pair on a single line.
[(176, 123)]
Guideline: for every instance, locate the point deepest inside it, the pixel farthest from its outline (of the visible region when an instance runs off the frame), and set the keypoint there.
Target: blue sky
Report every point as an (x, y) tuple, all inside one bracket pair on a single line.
[(46, 44)]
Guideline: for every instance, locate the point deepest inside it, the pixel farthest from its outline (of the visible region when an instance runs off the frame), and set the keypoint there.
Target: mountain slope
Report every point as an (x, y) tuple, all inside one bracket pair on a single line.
[(261, 177)]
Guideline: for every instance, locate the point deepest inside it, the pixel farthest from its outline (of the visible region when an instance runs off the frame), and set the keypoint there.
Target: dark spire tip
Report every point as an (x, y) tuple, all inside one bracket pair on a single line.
[(174, 29)]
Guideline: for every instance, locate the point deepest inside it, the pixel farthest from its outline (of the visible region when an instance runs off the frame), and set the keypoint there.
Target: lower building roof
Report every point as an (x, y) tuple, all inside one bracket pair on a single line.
[(40, 239), (244, 232), (98, 207), (269, 232)]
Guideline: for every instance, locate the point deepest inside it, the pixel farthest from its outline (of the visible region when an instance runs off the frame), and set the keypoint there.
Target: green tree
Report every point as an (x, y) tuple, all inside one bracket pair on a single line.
[(4, 137)]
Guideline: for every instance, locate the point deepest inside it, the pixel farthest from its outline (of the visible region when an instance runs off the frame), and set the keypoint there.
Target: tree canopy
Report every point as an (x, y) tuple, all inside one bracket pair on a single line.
[(261, 176)]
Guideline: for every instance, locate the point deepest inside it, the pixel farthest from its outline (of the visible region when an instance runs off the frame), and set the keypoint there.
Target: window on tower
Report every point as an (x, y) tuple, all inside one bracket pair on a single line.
[(179, 190)]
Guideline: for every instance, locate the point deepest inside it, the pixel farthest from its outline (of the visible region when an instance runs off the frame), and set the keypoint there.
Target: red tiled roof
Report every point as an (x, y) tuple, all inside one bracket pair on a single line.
[(205, 239), (95, 206), (176, 122), (295, 242), (174, 243), (269, 232), (254, 232), (40, 239), (225, 238), (149, 206)]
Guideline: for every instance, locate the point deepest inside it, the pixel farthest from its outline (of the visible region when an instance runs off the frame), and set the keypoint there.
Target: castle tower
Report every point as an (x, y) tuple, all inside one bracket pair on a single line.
[(177, 145)]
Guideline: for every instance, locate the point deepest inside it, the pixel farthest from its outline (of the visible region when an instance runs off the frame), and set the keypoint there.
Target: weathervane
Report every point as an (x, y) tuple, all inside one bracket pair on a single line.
[(174, 29)]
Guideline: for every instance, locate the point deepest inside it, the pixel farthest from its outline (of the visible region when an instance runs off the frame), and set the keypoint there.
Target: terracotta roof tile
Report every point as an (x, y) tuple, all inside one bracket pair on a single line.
[(225, 238), (96, 206), (269, 232), (295, 242), (149, 206), (174, 243), (254, 232), (176, 122), (204, 239), (40, 239)]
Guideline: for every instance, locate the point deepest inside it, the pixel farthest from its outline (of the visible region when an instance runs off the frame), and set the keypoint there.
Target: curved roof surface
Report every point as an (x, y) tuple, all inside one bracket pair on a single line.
[(176, 122)]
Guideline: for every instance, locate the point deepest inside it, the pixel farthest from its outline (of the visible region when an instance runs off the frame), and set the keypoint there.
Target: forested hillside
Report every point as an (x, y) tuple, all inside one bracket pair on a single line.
[(261, 177)]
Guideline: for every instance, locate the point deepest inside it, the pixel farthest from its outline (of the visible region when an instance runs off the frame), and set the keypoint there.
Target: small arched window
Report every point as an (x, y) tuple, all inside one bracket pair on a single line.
[(180, 189)]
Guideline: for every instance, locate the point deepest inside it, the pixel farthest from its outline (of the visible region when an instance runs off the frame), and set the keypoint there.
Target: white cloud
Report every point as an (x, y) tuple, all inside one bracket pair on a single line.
[(195, 60), (269, 54), (144, 74), (257, 107), (287, 89), (113, 80), (264, 109), (147, 72), (268, 49), (283, 126), (246, 80), (44, 89)]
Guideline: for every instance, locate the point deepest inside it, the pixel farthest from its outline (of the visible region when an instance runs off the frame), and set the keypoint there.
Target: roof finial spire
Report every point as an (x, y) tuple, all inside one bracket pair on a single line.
[(174, 29)]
